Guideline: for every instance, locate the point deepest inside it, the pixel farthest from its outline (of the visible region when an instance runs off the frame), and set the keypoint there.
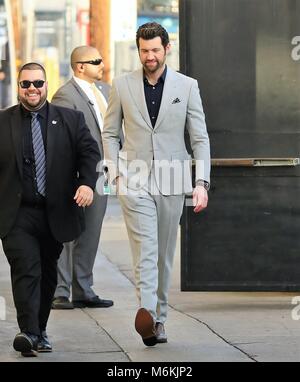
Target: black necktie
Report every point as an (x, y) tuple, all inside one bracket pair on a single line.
[(39, 154)]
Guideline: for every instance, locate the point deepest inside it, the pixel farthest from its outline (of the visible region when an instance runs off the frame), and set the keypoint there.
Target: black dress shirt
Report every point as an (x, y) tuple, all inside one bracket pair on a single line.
[(153, 95), (30, 195)]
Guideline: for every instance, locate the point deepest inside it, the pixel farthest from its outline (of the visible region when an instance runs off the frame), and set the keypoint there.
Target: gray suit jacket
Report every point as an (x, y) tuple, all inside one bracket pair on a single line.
[(72, 96), (180, 108)]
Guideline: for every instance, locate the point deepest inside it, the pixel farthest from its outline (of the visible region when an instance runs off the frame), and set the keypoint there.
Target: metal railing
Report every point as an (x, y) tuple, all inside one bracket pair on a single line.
[(255, 162)]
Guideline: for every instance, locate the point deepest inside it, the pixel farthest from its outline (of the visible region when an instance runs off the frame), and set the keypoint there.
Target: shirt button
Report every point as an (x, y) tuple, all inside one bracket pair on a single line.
[(153, 88), (153, 117), (153, 103)]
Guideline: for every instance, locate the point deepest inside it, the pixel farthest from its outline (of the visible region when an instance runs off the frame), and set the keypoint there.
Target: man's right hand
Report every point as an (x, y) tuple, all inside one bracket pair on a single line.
[(84, 196)]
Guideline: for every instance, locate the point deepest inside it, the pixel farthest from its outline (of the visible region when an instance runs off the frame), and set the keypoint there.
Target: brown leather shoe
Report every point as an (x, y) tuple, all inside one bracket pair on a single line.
[(144, 325), (161, 336)]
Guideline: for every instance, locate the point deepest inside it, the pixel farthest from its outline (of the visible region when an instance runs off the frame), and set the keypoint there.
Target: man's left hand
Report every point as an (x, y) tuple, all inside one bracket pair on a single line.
[(200, 198), (84, 196)]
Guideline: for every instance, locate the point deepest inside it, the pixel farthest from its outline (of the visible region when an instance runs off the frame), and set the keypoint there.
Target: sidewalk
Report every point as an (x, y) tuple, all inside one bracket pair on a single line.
[(202, 326)]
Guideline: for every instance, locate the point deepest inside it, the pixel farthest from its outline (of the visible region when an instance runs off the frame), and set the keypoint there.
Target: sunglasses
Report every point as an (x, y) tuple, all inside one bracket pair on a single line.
[(37, 84), (92, 62)]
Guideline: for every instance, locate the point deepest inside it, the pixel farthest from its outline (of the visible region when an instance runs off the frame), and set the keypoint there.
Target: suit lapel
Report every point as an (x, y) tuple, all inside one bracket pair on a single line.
[(86, 100), (16, 129), (53, 126), (136, 87), (167, 96)]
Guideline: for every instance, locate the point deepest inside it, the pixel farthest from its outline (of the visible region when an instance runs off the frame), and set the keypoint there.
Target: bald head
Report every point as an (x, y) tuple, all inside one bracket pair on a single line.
[(83, 53), (84, 63)]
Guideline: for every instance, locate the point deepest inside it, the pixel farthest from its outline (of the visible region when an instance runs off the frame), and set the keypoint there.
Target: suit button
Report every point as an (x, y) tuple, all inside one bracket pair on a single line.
[(19, 194)]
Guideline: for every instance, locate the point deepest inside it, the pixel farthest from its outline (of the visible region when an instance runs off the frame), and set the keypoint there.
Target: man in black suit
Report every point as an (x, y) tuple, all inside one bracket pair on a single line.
[(48, 162)]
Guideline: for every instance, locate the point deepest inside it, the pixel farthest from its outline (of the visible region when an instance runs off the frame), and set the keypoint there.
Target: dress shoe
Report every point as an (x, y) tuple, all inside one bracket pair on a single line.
[(144, 325), (44, 345), (62, 303), (95, 302), (161, 336), (26, 343)]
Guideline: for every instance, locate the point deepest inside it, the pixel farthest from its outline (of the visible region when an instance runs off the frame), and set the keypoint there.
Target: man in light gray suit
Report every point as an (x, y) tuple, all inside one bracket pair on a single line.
[(152, 171), (83, 92)]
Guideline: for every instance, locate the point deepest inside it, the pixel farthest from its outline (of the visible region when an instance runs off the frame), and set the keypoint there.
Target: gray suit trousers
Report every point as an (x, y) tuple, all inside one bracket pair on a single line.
[(152, 221), (76, 262)]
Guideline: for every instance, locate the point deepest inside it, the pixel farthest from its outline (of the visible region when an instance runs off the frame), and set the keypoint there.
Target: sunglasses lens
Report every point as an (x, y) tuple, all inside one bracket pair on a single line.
[(25, 84), (38, 83), (92, 62), (96, 62)]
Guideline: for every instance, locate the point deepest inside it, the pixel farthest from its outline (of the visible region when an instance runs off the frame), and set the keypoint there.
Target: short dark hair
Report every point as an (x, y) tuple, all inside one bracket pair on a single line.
[(32, 66), (151, 30)]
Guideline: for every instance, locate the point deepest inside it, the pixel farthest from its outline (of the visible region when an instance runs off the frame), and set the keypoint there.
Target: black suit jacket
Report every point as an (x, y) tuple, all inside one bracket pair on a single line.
[(72, 157)]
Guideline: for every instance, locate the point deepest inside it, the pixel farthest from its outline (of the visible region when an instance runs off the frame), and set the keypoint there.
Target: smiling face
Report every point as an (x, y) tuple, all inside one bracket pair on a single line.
[(152, 54), (32, 98)]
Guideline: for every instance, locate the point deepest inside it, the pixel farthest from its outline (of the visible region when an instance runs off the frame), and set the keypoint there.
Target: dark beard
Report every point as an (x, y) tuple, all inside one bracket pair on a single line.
[(33, 108), (155, 69)]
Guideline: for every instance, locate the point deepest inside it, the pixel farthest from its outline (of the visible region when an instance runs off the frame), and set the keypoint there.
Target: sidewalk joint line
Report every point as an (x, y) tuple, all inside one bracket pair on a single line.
[(216, 333), (194, 318), (116, 343), (122, 271)]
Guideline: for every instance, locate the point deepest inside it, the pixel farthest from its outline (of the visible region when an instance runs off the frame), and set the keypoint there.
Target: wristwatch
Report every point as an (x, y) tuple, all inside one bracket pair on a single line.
[(203, 183)]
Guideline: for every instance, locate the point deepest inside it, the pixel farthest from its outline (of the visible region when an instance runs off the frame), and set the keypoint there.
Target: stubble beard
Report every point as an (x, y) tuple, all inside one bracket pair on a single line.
[(33, 106), (154, 69), (151, 70)]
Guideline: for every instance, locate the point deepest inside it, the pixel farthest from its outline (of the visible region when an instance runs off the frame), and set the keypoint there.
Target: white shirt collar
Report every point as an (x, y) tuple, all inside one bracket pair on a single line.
[(85, 85)]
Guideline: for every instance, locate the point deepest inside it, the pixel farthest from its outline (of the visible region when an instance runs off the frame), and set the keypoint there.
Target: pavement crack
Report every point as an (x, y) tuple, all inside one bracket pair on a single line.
[(113, 340), (216, 333), (186, 314), (122, 271), (247, 343)]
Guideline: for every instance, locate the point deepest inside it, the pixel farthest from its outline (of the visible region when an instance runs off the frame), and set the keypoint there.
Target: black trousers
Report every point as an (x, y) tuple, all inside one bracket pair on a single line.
[(32, 253)]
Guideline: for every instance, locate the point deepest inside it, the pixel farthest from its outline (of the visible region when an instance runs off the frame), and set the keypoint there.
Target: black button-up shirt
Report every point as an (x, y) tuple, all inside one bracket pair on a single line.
[(153, 95), (30, 195)]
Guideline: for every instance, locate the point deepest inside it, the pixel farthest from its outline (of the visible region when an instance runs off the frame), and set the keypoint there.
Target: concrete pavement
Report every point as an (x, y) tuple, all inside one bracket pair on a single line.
[(202, 326)]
